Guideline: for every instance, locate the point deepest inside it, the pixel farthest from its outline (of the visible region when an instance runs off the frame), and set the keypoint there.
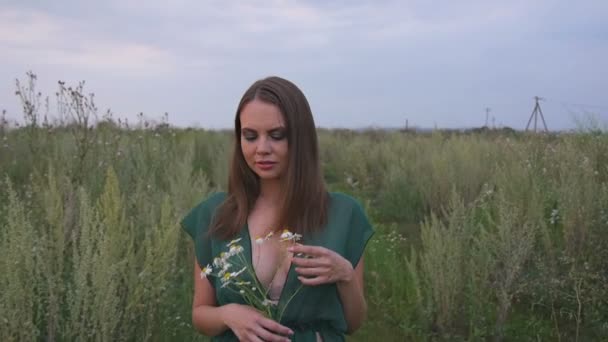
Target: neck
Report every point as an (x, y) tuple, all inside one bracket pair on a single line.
[(270, 192)]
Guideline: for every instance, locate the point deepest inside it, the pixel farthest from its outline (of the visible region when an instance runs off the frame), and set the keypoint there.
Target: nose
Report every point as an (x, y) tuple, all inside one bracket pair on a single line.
[(263, 146)]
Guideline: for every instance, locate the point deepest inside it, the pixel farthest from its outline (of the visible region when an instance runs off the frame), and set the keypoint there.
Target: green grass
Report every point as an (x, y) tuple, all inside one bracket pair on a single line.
[(481, 236)]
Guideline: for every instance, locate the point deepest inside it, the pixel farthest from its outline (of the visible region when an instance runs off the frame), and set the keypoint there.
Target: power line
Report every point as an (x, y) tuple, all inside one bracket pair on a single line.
[(566, 103), (582, 106)]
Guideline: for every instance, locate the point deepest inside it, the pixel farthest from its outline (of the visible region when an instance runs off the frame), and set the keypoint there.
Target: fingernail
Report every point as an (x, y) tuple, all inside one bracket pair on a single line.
[(290, 249)]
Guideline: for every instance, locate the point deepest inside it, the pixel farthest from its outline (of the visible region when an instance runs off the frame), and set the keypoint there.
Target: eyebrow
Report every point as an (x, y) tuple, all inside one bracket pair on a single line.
[(272, 130)]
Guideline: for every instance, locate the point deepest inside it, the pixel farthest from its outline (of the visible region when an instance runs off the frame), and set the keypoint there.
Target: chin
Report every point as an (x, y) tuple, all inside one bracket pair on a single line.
[(265, 175), (268, 177)]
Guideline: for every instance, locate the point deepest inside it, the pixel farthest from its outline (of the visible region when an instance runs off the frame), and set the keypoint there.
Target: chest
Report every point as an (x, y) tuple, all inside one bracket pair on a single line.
[(269, 256)]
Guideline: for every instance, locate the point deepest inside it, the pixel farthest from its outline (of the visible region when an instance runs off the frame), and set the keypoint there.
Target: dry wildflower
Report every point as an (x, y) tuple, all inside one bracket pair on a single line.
[(554, 216)]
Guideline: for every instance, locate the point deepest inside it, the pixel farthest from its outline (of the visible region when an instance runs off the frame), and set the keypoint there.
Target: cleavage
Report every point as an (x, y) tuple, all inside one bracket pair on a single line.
[(271, 264)]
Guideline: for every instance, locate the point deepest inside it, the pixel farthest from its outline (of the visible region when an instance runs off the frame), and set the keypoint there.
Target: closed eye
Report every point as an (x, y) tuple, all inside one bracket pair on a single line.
[(249, 134), (250, 137), (277, 135)]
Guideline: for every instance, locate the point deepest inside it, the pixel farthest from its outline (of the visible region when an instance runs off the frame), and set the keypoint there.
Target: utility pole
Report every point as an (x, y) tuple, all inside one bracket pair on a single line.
[(535, 113), (488, 109)]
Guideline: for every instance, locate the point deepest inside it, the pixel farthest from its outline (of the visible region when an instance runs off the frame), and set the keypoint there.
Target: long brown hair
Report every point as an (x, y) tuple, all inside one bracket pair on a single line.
[(304, 197)]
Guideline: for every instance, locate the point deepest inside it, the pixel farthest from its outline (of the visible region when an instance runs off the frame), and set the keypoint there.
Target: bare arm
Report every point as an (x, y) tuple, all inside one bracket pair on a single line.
[(206, 315), (352, 296), (247, 323)]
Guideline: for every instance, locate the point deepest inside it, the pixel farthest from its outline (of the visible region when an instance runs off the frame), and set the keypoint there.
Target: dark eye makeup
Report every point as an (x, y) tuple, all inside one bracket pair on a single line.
[(275, 134), (249, 136), (278, 134)]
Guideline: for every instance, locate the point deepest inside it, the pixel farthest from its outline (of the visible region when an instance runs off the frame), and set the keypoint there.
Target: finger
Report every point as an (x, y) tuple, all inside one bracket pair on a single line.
[(315, 251), (275, 327), (314, 281), (314, 262), (267, 336), (312, 271), (253, 338), (238, 335)]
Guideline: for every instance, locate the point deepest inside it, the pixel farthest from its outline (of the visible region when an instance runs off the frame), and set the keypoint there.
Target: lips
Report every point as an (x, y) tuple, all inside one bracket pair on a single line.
[(265, 165)]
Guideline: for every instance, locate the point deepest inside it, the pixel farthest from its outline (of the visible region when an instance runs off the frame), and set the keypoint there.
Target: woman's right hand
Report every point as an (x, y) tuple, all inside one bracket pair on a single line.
[(248, 324)]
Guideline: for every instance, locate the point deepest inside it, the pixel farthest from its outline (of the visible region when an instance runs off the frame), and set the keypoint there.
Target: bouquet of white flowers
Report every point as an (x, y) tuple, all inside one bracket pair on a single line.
[(229, 267)]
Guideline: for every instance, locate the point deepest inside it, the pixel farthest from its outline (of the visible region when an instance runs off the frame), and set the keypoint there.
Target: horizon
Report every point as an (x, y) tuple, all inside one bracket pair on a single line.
[(360, 63)]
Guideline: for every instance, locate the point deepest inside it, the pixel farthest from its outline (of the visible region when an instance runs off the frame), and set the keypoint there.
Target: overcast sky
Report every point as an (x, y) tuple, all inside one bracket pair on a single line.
[(360, 63)]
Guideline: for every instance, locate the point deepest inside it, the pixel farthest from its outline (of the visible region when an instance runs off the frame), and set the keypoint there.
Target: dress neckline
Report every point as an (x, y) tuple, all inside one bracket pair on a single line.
[(288, 277)]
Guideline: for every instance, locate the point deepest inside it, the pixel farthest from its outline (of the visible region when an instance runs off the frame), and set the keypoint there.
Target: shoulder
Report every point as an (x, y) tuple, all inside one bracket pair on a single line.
[(342, 201), (211, 202), (215, 199), (197, 222), (343, 206), (204, 209)]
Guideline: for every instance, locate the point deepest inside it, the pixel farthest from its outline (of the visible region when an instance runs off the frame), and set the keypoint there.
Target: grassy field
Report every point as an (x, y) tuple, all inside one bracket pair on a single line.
[(480, 236)]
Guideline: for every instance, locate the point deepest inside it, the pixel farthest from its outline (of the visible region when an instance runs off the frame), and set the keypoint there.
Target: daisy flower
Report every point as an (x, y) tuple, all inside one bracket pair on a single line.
[(260, 240), (205, 271), (233, 242), (289, 236), (235, 249)]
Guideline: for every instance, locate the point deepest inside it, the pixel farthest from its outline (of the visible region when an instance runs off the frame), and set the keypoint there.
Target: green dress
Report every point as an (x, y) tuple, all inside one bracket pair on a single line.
[(314, 308)]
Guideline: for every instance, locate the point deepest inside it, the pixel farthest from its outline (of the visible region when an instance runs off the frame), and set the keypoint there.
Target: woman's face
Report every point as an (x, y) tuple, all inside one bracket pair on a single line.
[(264, 139)]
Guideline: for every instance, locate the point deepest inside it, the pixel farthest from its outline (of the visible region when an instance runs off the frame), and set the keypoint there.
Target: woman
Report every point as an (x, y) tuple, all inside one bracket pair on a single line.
[(276, 181)]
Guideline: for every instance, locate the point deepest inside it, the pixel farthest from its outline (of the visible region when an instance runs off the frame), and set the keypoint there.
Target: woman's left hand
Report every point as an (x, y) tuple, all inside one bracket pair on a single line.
[(321, 266)]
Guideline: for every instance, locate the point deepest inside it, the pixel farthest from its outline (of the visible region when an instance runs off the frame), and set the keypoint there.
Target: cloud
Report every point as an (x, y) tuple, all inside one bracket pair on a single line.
[(434, 61), (27, 29), (42, 39)]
